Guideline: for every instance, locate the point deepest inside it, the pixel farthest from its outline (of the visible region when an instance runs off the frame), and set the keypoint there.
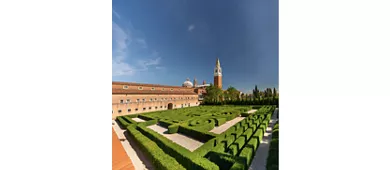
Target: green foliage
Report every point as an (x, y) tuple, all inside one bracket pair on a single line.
[(158, 157), (221, 121), (258, 135), (198, 135), (254, 143), (145, 117), (173, 128), (236, 146), (224, 161), (122, 122), (273, 153), (247, 153), (148, 123), (182, 155), (164, 123)]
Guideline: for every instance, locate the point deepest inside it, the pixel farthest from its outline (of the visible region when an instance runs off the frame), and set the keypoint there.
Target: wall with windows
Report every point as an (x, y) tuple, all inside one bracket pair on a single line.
[(125, 104)]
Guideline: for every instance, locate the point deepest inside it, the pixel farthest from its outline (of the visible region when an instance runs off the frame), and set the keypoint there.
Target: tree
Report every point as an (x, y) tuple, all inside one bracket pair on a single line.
[(275, 94), (214, 94), (256, 92)]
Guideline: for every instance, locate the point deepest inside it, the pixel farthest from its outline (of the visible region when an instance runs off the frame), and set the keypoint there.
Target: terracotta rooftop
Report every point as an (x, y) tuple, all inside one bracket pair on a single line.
[(131, 91), (120, 160), (143, 84)]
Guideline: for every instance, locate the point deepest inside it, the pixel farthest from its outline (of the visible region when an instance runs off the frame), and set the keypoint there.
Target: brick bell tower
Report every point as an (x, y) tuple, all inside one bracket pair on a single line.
[(218, 75)]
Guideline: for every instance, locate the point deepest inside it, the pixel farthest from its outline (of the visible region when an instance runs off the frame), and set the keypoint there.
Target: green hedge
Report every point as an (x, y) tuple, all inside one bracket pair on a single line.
[(173, 128), (273, 153), (158, 157), (253, 142), (182, 155), (220, 121), (145, 117), (198, 135), (224, 161), (164, 123), (230, 139), (248, 133), (122, 122), (236, 146), (247, 153), (148, 123), (130, 119), (258, 135)]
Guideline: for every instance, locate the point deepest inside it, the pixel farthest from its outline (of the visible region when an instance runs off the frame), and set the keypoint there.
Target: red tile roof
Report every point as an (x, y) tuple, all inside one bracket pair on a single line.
[(131, 91), (143, 84)]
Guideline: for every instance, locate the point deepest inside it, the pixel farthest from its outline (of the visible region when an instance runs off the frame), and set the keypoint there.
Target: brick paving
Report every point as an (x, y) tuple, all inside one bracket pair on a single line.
[(120, 160)]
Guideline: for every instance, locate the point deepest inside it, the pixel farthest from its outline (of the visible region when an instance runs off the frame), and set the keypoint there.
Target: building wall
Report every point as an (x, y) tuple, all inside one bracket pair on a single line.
[(161, 101)]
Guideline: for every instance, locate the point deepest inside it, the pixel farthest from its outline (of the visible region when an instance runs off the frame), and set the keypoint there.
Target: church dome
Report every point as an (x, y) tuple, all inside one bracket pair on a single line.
[(188, 83)]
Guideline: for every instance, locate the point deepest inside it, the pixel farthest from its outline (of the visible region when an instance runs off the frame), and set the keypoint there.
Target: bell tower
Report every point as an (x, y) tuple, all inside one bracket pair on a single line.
[(218, 75)]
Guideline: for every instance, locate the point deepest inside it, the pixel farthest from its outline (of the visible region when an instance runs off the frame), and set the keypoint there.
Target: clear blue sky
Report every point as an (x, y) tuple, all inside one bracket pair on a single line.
[(167, 41)]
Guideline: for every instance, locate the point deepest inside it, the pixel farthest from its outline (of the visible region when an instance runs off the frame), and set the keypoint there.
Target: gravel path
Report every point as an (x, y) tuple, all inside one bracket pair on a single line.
[(185, 141), (226, 125), (136, 156), (252, 111), (260, 159), (138, 119)]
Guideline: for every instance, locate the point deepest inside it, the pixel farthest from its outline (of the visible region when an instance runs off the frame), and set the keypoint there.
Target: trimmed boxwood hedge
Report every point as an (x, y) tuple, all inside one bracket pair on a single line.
[(224, 161), (145, 117), (198, 135), (258, 135), (148, 123), (237, 145), (173, 128), (273, 153), (159, 158), (247, 153), (220, 121), (164, 123), (182, 155), (122, 122)]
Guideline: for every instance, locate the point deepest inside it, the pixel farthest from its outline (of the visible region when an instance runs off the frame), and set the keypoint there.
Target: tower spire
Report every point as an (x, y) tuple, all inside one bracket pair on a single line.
[(217, 63)]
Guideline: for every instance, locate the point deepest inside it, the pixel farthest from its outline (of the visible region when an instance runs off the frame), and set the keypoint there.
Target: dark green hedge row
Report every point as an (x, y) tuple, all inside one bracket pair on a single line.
[(220, 121), (148, 123), (198, 135), (123, 123), (206, 147), (173, 128), (236, 146), (158, 157), (273, 153), (264, 101), (181, 154), (145, 117), (247, 153), (130, 119), (224, 161), (258, 135), (164, 123)]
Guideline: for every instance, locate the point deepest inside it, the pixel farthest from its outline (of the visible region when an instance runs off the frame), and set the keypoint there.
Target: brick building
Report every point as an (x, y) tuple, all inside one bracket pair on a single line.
[(134, 98)]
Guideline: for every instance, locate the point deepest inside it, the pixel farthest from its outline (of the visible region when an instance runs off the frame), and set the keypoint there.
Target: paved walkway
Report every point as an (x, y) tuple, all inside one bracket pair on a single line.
[(185, 141), (226, 125), (139, 160), (252, 111), (120, 160), (260, 160), (138, 119)]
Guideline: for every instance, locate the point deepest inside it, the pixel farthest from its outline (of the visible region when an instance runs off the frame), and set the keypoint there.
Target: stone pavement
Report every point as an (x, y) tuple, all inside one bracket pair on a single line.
[(260, 159), (182, 140), (138, 159), (138, 119)]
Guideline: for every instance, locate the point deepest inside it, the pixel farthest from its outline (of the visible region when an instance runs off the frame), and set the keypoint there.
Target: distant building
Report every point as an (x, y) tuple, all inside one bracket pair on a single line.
[(218, 75)]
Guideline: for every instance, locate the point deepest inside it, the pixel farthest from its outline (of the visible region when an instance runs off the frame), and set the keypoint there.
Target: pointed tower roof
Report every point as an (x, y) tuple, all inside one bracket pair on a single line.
[(217, 63)]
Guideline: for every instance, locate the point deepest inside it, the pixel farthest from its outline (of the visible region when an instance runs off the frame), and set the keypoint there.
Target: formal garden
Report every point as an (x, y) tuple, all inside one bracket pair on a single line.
[(232, 147)]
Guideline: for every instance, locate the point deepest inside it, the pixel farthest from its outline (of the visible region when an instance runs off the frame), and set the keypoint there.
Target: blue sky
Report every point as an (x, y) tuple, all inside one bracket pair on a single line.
[(165, 42)]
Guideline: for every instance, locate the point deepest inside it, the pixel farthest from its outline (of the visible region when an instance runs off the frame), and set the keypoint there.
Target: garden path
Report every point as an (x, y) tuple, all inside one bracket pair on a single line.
[(139, 160), (260, 160), (138, 119), (184, 141), (226, 125)]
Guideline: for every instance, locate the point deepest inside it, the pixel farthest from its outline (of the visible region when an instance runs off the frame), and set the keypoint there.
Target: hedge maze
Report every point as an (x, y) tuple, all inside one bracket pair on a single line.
[(232, 149)]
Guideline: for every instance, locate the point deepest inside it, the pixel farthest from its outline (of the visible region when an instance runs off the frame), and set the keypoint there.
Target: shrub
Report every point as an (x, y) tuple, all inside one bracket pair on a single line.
[(201, 136), (248, 133), (182, 155), (173, 128), (239, 132), (273, 153), (128, 119), (159, 158), (145, 117), (230, 139), (206, 147), (247, 153), (245, 114), (220, 121), (239, 165), (254, 143), (148, 123), (164, 123), (237, 145), (258, 135), (122, 122), (224, 161)]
